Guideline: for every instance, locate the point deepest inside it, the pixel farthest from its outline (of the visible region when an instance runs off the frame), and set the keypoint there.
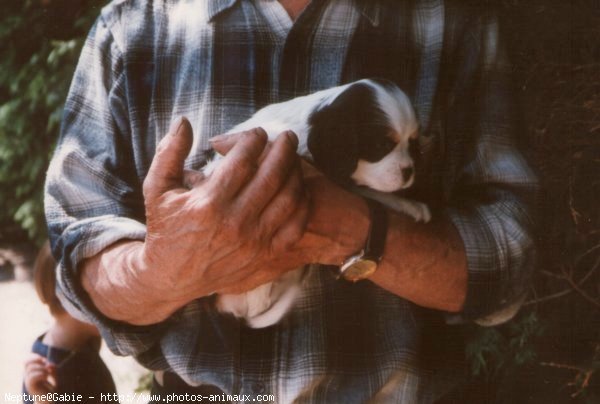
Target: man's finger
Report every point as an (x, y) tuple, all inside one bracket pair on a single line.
[(273, 173), (166, 170), (282, 206), (239, 165), (222, 144), (293, 229)]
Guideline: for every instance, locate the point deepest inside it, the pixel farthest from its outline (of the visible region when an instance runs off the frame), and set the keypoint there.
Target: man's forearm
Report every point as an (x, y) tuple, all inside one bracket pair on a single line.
[(424, 263), (116, 282)]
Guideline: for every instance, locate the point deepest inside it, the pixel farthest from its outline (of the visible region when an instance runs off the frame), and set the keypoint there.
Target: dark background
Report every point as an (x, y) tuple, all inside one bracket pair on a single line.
[(550, 353)]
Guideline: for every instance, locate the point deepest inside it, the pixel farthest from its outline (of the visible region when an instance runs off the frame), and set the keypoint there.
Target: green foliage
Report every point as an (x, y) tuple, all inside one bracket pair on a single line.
[(493, 350), (40, 43)]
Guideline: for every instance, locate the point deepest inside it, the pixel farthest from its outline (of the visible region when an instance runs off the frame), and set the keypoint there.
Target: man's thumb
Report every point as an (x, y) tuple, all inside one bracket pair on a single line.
[(166, 170)]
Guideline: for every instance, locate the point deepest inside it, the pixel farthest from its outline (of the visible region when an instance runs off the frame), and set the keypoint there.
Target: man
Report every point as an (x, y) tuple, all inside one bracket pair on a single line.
[(144, 244)]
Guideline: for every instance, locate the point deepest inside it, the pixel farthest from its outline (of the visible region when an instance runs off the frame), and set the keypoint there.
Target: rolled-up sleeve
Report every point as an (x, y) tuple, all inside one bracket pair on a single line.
[(93, 196), (494, 189)]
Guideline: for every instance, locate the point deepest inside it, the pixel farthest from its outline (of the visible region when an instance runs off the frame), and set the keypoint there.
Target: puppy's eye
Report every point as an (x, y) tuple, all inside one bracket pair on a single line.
[(384, 145), (376, 149)]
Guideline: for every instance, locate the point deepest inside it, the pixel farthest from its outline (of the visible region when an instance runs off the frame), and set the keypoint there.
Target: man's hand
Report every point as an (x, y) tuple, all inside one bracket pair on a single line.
[(224, 233), (338, 222), (220, 235)]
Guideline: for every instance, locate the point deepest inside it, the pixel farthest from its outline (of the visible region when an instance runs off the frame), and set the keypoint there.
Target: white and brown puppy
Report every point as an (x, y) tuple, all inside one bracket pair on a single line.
[(358, 135)]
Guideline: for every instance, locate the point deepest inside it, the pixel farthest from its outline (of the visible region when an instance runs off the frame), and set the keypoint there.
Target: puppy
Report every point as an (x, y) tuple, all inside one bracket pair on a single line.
[(358, 135)]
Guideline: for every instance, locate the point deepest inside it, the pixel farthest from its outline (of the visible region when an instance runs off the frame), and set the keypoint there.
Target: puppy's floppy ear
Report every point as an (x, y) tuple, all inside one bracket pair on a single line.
[(335, 130)]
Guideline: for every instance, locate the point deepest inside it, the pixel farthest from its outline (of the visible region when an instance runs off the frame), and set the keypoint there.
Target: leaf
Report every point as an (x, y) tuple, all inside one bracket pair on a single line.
[(35, 75)]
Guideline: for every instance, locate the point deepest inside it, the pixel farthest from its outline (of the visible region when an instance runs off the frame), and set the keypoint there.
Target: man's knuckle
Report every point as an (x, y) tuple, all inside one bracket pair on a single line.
[(296, 234), (282, 243), (244, 164), (272, 181), (288, 201), (206, 207), (264, 229), (292, 235), (291, 196)]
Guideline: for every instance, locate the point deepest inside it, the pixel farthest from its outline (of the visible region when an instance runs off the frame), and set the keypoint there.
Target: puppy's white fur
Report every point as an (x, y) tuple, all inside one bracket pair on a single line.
[(268, 303)]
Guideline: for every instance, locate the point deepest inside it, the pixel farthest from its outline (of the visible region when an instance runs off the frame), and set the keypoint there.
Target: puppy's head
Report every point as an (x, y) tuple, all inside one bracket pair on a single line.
[(362, 136)]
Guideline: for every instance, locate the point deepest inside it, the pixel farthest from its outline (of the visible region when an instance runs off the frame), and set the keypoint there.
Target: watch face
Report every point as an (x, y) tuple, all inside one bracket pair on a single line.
[(360, 269)]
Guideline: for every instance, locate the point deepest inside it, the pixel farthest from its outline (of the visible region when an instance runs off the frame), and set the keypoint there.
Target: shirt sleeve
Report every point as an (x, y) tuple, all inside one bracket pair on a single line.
[(93, 195), (494, 188)]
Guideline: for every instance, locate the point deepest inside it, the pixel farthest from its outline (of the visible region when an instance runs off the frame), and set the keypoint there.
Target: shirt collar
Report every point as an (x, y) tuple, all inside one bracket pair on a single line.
[(369, 9), (215, 7)]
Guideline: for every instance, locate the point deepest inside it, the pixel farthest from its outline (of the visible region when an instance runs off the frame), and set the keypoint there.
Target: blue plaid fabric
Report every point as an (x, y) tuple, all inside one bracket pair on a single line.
[(217, 61)]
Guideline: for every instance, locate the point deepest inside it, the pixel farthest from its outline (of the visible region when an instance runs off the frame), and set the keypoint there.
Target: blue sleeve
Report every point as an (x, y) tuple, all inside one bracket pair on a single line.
[(494, 189), (93, 197)]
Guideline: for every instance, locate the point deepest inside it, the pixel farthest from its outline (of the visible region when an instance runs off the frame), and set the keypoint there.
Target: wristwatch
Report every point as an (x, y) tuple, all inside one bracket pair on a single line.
[(364, 263)]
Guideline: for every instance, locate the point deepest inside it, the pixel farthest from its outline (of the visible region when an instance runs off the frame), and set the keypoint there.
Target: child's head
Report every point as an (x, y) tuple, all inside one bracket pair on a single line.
[(44, 278)]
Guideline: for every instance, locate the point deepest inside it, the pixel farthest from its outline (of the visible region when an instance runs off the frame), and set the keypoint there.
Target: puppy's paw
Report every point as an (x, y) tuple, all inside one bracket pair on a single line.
[(248, 304), (418, 211), (232, 304), (421, 212)]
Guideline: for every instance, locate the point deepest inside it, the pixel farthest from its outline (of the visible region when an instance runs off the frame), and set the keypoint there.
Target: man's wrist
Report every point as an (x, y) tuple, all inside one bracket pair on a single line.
[(356, 226), (345, 228), (120, 286), (364, 264)]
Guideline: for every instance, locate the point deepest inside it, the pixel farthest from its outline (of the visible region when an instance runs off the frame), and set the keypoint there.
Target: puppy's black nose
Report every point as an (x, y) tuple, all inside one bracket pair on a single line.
[(407, 173)]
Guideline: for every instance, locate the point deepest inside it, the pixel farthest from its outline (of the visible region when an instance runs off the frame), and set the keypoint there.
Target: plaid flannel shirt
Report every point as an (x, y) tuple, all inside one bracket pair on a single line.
[(218, 61)]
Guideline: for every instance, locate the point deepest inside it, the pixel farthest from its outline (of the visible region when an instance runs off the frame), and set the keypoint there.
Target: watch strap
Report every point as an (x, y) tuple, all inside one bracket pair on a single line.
[(375, 244)]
